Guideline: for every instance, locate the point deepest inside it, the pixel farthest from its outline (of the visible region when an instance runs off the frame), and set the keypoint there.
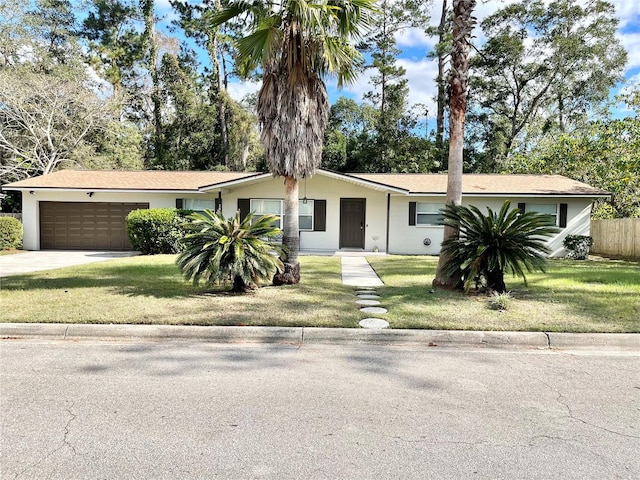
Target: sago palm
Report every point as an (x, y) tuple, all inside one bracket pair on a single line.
[(295, 44), (492, 244), (219, 250)]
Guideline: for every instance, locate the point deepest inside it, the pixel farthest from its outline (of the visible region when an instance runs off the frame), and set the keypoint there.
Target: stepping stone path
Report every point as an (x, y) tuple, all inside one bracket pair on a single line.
[(368, 298)]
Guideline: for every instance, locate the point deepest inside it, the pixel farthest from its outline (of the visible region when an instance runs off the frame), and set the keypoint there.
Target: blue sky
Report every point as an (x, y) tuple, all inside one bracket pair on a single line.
[(421, 72)]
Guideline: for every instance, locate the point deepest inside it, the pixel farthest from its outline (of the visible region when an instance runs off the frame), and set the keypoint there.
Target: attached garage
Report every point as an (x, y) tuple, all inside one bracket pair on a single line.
[(85, 225)]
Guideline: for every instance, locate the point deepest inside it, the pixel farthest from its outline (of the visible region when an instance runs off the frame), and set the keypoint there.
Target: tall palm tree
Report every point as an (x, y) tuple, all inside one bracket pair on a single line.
[(463, 23), (295, 44)]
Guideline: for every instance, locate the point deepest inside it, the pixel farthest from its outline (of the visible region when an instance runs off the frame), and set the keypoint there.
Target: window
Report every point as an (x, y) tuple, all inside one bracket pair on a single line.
[(545, 209), (268, 207), (276, 207), (305, 215), (199, 205), (429, 213)]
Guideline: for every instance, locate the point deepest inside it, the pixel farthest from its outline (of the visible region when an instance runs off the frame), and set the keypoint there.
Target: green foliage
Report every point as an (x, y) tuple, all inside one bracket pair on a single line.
[(10, 233), (537, 67), (490, 245), (354, 140), (603, 153), (500, 301), (578, 246), (219, 250), (155, 231)]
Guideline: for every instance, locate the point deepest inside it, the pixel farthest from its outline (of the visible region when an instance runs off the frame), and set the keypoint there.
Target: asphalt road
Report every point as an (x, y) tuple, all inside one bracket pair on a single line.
[(87, 409)]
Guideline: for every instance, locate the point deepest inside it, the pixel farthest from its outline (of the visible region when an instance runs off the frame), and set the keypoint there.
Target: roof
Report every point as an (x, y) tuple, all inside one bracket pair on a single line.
[(484, 184), (129, 180), (402, 183)]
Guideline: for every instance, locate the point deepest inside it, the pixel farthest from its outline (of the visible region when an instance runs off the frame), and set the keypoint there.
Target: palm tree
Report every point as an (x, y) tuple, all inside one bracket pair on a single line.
[(463, 22), (295, 44), (490, 245), (219, 250)]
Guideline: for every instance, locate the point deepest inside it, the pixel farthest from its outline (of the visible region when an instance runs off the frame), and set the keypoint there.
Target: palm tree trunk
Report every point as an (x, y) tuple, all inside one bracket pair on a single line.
[(291, 238), (462, 27)]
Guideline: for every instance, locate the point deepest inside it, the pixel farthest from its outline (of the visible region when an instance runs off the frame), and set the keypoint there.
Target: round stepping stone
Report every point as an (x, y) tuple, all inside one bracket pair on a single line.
[(368, 302), (365, 292), (375, 323), (373, 310), (369, 297)]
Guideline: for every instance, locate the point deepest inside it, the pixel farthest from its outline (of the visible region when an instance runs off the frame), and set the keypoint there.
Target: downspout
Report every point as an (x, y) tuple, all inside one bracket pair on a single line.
[(388, 213)]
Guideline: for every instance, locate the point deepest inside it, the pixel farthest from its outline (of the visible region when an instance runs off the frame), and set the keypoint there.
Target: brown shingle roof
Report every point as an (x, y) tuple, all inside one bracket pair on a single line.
[(484, 184), (415, 183), (129, 180)]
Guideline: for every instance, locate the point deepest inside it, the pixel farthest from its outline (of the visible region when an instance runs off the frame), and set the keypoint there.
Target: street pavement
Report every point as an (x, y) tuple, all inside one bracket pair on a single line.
[(85, 408)]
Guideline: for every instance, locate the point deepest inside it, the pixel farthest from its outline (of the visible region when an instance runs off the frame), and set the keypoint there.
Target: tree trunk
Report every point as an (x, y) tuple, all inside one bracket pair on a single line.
[(291, 235), (442, 87), (462, 27), (495, 281)]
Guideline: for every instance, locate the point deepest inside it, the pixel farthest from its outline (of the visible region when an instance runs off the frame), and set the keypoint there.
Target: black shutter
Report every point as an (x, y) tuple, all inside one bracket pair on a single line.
[(563, 215), (179, 203), (244, 205), (412, 213), (218, 204), (319, 215), (521, 207)]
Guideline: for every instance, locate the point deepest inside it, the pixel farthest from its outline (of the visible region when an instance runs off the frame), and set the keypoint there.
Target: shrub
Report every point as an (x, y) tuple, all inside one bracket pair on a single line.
[(219, 250), (578, 246), (10, 233), (156, 230), (500, 301), (492, 244)]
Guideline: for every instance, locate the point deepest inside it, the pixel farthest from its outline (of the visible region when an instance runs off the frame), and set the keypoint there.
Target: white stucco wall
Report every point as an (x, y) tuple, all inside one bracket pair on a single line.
[(403, 238), (31, 210), (321, 187), (408, 239)]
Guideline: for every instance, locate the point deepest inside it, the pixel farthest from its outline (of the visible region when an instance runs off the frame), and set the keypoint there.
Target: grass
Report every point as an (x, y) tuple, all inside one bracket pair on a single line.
[(574, 296), (150, 290)]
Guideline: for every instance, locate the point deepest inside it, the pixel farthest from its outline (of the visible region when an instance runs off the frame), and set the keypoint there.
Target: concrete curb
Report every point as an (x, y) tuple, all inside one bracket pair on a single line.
[(314, 335)]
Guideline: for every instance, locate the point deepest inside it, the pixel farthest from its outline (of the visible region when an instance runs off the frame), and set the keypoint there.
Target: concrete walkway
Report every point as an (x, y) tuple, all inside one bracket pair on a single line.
[(35, 261), (357, 272)]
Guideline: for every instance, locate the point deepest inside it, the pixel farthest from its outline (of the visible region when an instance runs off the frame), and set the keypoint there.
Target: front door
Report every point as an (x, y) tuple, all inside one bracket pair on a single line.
[(352, 226)]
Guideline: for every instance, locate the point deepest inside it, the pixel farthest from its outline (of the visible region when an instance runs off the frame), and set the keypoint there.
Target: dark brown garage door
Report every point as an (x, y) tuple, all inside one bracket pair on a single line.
[(85, 226)]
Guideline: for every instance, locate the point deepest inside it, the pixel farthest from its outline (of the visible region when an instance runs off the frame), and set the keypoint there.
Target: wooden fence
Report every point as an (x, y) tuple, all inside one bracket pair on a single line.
[(14, 215), (616, 237)]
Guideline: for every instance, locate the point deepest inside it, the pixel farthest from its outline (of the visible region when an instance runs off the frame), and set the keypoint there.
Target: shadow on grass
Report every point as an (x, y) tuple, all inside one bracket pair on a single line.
[(160, 281)]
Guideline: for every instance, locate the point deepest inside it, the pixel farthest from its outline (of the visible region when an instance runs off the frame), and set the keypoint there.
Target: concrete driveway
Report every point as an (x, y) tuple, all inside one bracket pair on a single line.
[(35, 261)]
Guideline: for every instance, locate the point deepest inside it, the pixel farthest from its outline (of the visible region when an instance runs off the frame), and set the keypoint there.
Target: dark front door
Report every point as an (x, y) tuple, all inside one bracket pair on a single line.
[(352, 227)]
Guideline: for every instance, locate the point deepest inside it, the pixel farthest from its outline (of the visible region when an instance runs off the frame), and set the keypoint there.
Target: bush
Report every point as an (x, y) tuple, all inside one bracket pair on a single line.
[(578, 246), (230, 250), (10, 233), (500, 301), (156, 230), (492, 244)]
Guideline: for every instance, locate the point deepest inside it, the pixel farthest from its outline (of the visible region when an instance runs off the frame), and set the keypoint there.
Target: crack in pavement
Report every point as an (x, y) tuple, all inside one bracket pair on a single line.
[(65, 442), (573, 417), (569, 411)]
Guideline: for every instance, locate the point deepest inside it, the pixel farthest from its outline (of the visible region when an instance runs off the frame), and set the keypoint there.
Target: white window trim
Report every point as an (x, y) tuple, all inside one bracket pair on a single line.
[(418, 213), (556, 216), (281, 215)]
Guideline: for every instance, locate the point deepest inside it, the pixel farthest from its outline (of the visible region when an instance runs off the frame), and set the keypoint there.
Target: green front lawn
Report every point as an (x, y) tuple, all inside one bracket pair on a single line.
[(150, 290), (591, 296), (573, 296)]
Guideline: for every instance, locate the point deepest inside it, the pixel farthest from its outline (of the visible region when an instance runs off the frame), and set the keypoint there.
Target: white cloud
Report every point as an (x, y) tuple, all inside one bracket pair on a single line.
[(421, 75), (239, 89), (631, 42), (415, 37)]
